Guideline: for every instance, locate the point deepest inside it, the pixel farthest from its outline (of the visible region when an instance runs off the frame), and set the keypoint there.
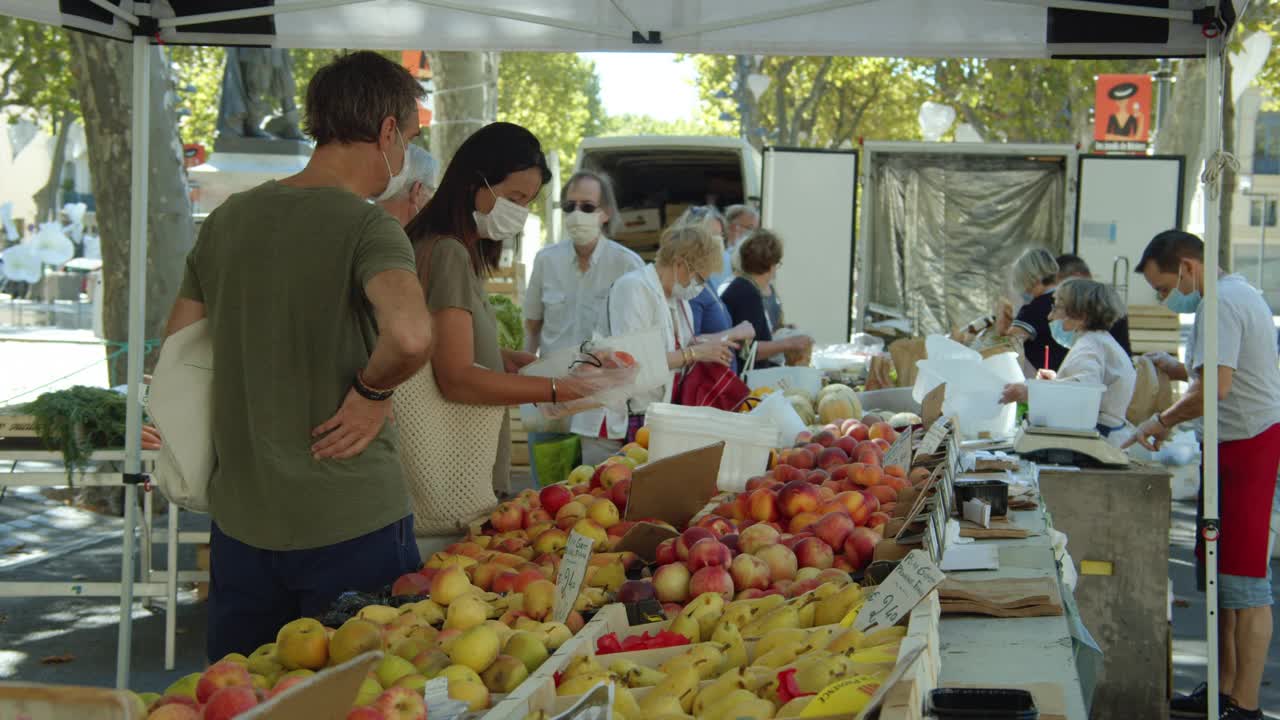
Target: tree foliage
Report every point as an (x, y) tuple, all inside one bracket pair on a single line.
[(628, 124), (555, 95), (33, 79)]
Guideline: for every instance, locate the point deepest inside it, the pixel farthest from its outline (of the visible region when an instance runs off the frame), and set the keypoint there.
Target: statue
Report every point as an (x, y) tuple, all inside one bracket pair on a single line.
[(252, 82)]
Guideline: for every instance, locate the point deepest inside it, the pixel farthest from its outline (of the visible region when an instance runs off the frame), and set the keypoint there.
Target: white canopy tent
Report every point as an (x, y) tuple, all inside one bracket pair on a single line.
[(914, 28)]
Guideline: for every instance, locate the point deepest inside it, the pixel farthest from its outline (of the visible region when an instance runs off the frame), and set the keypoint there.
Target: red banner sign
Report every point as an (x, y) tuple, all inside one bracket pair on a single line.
[(1122, 112)]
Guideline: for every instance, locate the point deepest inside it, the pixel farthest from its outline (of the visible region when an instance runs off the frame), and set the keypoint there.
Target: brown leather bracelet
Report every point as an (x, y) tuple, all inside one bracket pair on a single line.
[(367, 392)]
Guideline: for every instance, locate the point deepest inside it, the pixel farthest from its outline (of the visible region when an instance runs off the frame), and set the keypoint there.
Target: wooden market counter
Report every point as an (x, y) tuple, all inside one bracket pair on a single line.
[(1033, 653)]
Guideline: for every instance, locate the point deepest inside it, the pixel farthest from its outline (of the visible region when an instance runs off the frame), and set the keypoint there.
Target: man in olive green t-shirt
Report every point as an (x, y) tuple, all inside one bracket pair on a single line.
[(316, 314)]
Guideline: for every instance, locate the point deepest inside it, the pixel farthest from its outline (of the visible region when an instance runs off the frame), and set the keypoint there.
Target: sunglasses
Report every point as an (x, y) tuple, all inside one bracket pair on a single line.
[(571, 205)]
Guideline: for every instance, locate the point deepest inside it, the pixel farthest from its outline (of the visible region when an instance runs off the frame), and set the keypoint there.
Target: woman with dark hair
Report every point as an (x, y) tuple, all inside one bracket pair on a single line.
[(745, 297), (481, 203)]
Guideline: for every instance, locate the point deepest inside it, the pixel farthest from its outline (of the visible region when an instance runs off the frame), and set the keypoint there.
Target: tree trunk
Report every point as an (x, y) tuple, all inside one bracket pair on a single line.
[(47, 197), (466, 98), (102, 70), (1183, 130)]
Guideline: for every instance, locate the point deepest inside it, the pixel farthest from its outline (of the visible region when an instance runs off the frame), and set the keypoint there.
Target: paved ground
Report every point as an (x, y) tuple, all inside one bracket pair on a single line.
[(41, 539)]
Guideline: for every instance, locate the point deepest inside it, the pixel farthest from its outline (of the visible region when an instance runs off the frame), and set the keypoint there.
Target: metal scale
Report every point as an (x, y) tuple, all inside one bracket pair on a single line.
[(1055, 446)]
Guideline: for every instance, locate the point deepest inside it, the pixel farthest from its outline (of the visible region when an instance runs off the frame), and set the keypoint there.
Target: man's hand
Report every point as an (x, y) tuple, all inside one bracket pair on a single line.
[(513, 360), (1150, 433), (350, 431)]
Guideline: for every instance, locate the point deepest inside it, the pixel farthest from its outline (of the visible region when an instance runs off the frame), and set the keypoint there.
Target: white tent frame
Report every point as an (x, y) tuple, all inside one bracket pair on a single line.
[(1214, 57)]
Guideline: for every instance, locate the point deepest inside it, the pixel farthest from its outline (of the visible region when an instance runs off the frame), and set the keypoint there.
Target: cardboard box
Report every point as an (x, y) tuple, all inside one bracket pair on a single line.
[(674, 490), (673, 211), (640, 241), (641, 220), (61, 702)]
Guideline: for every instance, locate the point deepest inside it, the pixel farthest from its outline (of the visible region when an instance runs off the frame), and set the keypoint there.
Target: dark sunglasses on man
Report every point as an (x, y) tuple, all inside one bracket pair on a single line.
[(571, 205)]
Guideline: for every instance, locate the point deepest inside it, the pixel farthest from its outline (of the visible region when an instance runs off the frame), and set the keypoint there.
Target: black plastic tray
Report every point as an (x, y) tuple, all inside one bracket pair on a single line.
[(994, 492), (991, 704)]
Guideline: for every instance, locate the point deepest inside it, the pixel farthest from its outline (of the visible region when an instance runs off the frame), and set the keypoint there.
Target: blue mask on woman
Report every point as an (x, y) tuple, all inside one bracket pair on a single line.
[(1181, 302), (1064, 337)]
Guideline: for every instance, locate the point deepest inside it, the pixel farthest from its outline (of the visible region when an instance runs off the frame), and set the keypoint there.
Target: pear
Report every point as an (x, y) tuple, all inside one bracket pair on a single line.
[(813, 674), (380, 614), (713, 691), (777, 657), (636, 675), (657, 705), (528, 648), (735, 653), (735, 696), (707, 658), (504, 674), (465, 613), (476, 648), (882, 636), (752, 708), (794, 708), (392, 668), (474, 694), (430, 662), (779, 638), (785, 616), (429, 611), (832, 610), (845, 641), (625, 706), (582, 665), (681, 683), (687, 627), (554, 634), (369, 691), (579, 684)]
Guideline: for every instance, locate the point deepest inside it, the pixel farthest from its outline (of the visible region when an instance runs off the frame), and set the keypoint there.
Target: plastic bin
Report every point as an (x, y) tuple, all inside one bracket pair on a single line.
[(1063, 404), (989, 704), (786, 378), (994, 492), (779, 411), (748, 439)]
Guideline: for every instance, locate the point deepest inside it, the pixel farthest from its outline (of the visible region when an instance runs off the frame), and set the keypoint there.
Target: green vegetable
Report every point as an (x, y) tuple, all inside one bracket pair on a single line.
[(78, 420), (510, 322)]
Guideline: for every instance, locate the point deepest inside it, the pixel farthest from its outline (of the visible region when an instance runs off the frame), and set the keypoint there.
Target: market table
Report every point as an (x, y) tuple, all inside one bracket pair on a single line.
[(1014, 652)]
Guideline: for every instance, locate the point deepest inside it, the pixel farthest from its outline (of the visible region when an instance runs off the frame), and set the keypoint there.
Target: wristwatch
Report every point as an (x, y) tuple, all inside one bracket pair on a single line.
[(369, 393)]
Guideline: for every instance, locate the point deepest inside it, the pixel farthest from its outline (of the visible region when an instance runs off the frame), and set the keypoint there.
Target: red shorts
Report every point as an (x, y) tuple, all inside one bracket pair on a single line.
[(1247, 484)]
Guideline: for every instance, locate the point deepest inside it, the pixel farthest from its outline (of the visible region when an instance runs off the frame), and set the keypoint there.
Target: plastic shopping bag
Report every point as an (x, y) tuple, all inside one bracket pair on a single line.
[(608, 375)]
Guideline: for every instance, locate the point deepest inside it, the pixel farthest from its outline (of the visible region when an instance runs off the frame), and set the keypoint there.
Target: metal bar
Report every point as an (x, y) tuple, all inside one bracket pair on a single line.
[(626, 15), (59, 479), (171, 591), (1213, 143), (765, 17), (144, 550), (29, 589), (1105, 7), (524, 17), (184, 576), (114, 10), (273, 10), (140, 134)]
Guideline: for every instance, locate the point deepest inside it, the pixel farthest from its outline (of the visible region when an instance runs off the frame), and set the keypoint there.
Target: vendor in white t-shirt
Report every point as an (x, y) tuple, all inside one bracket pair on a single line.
[(1081, 319)]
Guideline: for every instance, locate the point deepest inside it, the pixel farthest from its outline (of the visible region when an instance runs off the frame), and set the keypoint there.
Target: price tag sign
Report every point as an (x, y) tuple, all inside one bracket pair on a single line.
[(900, 452), (573, 570), (898, 595), (933, 439), (917, 507)]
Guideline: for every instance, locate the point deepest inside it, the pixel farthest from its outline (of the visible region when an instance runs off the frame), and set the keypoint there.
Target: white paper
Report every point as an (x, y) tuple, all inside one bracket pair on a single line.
[(898, 595), (971, 557), (977, 512), (573, 570)]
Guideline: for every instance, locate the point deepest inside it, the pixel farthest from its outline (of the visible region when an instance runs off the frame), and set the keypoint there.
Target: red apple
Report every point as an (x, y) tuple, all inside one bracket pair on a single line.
[(842, 564), (222, 675), (229, 702), (688, 538), (595, 478), (619, 494), (411, 584), (401, 703), (833, 528), (714, 579), (708, 553), (812, 552), (758, 536), (613, 474), (509, 516), (617, 531), (285, 684), (665, 554), (671, 583), (796, 497), (749, 571), (781, 561)]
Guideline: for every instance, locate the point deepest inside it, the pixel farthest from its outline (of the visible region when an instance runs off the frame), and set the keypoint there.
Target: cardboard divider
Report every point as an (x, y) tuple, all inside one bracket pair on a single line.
[(32, 701)]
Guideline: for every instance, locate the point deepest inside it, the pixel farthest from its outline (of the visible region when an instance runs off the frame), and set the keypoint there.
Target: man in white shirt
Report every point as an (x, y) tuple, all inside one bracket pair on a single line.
[(569, 287), (1248, 456)]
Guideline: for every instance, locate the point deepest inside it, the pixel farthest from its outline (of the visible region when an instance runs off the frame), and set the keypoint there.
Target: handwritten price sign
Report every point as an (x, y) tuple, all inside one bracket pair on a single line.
[(573, 570), (914, 577), (900, 452)]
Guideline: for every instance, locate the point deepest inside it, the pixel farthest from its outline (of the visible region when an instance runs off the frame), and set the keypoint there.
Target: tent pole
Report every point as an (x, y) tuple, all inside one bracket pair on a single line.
[(1213, 145), (137, 342)]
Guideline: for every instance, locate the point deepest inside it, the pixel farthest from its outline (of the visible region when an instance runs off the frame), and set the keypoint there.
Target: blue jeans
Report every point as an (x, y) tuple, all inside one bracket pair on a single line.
[(253, 592)]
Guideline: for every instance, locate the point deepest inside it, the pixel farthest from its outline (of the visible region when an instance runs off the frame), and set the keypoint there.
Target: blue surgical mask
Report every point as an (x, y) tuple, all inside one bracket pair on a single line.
[(1064, 337), (1181, 302)]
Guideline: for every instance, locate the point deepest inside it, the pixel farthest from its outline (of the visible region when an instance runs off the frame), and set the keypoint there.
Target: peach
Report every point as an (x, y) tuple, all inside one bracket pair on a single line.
[(802, 522), (764, 505), (833, 528), (832, 457), (731, 541), (665, 554), (860, 547), (688, 538), (708, 553), (895, 470), (866, 475), (757, 537), (855, 504), (882, 431), (717, 525), (796, 497), (671, 583), (883, 493), (813, 552), (781, 560), (714, 579), (847, 444), (826, 438), (817, 477), (882, 445), (804, 437), (786, 473), (753, 484), (798, 457), (878, 520), (826, 493), (749, 572)]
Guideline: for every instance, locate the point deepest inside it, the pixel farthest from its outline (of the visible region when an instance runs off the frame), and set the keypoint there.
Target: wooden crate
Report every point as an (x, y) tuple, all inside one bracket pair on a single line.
[(507, 281), (1154, 328), (519, 441), (63, 702)]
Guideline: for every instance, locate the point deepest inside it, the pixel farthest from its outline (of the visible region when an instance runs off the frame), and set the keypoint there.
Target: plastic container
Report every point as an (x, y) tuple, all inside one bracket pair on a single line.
[(786, 378), (989, 704), (779, 411), (994, 492), (748, 439), (1063, 405)]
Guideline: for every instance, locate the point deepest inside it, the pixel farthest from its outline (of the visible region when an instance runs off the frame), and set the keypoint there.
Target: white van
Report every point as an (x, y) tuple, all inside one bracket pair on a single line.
[(658, 177)]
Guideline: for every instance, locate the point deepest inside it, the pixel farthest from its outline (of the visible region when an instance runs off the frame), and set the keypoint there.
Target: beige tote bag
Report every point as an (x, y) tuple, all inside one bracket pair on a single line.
[(447, 449)]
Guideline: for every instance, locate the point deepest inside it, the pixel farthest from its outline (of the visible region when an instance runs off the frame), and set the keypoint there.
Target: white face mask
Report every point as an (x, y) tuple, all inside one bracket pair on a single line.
[(686, 291), (504, 222), (395, 181), (583, 228)]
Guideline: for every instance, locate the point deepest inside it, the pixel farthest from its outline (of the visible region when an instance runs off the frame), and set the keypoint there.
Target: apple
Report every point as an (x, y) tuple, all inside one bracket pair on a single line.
[(174, 707), (604, 513), (756, 537), (688, 538), (552, 540), (537, 516), (748, 572), (791, 541), (619, 494), (805, 574), (813, 552), (797, 496), (506, 517), (781, 560), (708, 553), (714, 579), (229, 702), (411, 584), (842, 564), (554, 497), (833, 528), (613, 474), (860, 547), (621, 529), (303, 643), (665, 554), (671, 583), (572, 512), (401, 703), (356, 637), (802, 522), (505, 582), (764, 505)]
